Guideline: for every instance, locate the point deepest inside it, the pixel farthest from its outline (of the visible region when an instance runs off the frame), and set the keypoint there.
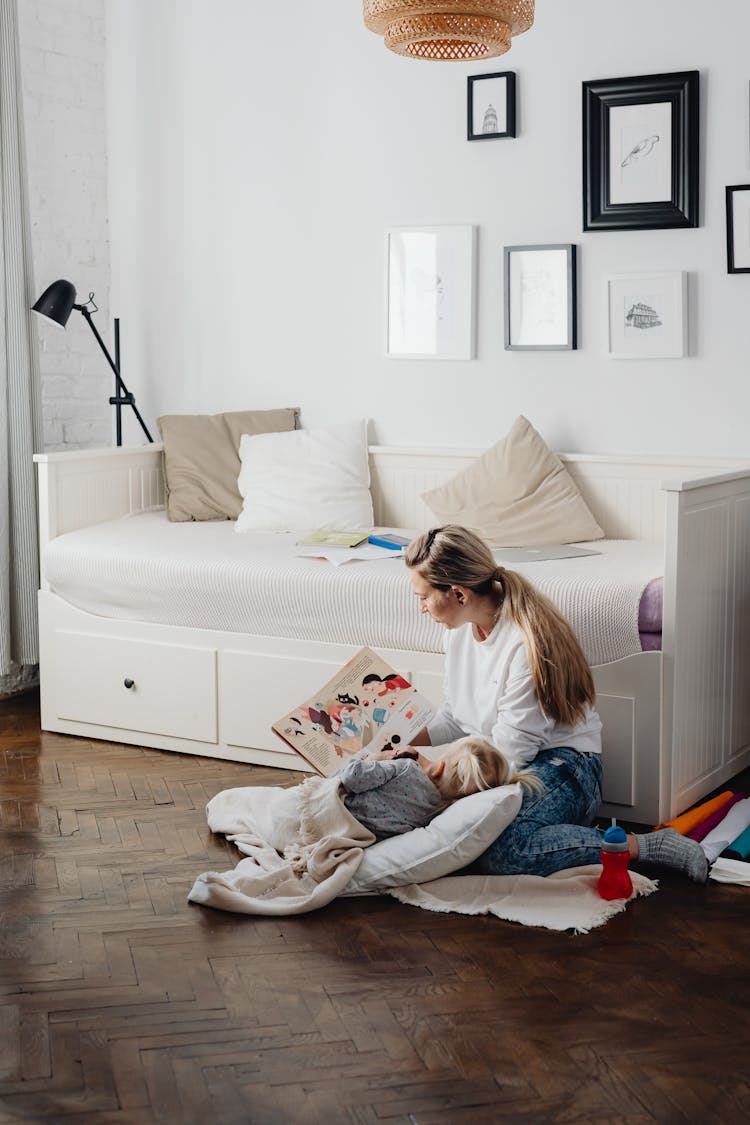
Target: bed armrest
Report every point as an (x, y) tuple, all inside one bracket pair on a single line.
[(83, 487), (687, 484)]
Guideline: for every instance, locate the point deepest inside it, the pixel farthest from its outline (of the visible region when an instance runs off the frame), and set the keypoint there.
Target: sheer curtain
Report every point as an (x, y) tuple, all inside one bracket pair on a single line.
[(20, 408)]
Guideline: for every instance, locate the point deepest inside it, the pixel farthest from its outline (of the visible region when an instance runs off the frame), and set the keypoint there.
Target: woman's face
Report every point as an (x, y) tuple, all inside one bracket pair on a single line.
[(440, 604)]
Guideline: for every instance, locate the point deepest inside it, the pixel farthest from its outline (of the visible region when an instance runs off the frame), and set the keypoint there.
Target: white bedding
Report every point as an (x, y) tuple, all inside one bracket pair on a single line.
[(204, 575)]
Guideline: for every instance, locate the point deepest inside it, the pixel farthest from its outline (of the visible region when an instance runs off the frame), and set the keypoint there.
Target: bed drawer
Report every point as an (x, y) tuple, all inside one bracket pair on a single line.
[(137, 685)]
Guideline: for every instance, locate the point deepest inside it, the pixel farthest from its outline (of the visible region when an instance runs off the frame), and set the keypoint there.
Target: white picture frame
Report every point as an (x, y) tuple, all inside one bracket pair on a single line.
[(647, 315), (430, 292)]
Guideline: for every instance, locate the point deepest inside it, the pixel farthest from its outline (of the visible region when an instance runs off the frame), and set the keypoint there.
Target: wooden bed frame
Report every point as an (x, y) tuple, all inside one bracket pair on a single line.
[(676, 722)]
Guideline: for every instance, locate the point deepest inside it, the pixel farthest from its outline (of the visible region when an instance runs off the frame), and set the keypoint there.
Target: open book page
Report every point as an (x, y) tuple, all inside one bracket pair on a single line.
[(366, 707)]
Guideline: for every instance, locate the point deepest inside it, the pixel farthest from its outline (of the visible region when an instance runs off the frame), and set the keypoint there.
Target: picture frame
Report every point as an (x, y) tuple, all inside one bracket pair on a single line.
[(491, 106), (647, 315), (430, 292), (738, 228), (540, 306), (640, 152)]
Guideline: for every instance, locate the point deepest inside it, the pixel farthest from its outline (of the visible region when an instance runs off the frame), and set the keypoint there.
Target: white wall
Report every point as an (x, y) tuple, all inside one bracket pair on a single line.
[(62, 66), (256, 159)]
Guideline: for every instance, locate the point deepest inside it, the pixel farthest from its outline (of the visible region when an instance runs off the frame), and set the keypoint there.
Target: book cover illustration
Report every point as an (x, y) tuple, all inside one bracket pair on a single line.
[(365, 707), (330, 538)]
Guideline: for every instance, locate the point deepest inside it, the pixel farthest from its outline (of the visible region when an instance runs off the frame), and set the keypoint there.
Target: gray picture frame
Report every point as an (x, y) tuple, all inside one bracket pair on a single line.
[(540, 297)]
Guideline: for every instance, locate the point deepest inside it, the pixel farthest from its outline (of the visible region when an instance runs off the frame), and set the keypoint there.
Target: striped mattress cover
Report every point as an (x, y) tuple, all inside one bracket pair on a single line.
[(205, 575)]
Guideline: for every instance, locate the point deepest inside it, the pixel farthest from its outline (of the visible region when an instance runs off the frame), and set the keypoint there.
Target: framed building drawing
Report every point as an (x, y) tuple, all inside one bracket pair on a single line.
[(491, 105), (430, 292), (640, 152), (540, 297), (647, 316)]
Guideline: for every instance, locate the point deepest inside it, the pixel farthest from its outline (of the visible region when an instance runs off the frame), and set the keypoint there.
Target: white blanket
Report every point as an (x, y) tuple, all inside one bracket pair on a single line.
[(303, 846), (202, 575)]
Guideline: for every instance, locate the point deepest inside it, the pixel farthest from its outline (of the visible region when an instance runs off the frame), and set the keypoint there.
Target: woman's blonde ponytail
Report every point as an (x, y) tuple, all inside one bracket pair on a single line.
[(453, 555)]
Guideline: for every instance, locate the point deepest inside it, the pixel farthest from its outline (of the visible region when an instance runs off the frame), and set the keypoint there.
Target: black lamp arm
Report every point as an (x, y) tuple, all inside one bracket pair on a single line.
[(124, 397)]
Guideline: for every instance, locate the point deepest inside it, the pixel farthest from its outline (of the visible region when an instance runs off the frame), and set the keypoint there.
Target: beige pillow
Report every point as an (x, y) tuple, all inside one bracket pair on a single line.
[(517, 494), (202, 459)]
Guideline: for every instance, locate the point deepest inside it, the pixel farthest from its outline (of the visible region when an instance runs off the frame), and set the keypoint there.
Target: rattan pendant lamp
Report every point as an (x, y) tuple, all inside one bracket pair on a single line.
[(448, 30)]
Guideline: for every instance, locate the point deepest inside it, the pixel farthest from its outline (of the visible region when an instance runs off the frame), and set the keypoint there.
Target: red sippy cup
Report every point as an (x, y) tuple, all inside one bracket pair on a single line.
[(615, 881)]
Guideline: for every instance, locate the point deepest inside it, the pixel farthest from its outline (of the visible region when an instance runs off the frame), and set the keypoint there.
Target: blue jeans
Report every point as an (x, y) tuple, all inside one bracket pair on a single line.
[(550, 831)]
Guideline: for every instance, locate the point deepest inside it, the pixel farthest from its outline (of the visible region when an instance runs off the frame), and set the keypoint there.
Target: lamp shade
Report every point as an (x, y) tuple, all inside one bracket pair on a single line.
[(56, 302)]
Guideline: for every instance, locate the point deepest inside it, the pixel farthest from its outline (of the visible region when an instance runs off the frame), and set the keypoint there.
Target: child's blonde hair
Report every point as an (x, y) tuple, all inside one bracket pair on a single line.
[(474, 765)]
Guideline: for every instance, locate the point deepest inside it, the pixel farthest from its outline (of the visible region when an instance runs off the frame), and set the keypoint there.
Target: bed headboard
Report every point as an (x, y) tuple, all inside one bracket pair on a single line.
[(627, 494)]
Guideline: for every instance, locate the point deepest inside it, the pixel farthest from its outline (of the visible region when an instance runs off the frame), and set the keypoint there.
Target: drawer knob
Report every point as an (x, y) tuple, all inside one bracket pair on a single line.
[(129, 683)]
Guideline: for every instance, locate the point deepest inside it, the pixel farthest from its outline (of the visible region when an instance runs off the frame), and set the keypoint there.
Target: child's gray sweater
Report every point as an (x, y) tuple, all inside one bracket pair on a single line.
[(390, 796)]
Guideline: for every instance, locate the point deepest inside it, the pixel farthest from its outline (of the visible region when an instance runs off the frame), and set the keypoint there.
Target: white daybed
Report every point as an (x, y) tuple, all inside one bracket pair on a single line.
[(676, 722)]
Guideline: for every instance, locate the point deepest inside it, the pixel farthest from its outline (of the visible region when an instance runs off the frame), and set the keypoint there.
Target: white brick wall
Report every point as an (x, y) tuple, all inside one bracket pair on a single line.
[(62, 63)]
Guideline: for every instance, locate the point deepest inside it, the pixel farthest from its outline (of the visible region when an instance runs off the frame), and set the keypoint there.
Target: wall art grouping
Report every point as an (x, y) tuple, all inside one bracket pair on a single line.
[(640, 172), (431, 306)]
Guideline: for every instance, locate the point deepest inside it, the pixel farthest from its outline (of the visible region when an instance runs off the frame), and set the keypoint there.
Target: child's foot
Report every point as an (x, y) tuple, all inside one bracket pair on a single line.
[(669, 849)]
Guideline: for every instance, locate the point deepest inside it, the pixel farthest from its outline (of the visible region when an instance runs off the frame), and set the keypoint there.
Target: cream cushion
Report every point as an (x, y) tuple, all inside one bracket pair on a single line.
[(517, 494), (202, 459), (309, 479)]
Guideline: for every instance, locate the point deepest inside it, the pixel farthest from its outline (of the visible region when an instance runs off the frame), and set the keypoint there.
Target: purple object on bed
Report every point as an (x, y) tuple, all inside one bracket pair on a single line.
[(650, 612)]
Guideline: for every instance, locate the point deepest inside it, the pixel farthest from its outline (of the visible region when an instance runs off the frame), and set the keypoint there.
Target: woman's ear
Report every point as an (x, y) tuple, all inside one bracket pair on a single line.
[(435, 769), (459, 594)]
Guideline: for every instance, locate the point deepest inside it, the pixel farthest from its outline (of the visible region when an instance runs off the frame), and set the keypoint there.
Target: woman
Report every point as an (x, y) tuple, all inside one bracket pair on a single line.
[(516, 675)]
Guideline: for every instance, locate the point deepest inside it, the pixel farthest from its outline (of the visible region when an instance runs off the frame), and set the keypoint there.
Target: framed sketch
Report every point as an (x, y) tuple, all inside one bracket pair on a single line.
[(540, 297), (491, 104), (738, 228), (640, 152), (647, 315), (430, 292)]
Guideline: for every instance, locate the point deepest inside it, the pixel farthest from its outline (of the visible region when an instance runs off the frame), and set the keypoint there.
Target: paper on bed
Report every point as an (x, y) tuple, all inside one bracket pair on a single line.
[(339, 555)]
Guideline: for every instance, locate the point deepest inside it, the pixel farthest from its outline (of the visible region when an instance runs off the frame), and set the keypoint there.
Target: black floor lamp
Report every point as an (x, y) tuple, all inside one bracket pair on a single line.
[(56, 304)]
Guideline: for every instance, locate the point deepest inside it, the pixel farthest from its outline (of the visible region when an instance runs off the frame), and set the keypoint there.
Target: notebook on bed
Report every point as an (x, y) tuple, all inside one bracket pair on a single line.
[(541, 554)]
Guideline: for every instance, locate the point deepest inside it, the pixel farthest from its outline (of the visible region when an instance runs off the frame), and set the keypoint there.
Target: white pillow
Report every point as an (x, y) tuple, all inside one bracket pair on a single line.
[(453, 839), (303, 480)]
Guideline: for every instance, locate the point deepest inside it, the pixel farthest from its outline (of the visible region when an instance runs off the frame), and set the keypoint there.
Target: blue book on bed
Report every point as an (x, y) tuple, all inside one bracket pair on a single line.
[(392, 542)]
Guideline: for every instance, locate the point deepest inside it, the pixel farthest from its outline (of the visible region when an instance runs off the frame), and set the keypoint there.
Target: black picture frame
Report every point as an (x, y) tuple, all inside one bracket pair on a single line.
[(552, 297), (505, 79), (673, 98), (737, 263)]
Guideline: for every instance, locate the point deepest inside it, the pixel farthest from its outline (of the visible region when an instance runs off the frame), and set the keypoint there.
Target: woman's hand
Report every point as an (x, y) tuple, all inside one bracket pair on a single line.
[(393, 752)]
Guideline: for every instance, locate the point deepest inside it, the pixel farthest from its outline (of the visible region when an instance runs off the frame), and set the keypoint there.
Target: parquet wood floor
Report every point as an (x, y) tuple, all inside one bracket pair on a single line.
[(120, 1002)]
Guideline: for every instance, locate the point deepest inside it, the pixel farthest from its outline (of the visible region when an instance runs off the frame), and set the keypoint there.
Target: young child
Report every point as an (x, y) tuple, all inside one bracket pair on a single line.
[(396, 791)]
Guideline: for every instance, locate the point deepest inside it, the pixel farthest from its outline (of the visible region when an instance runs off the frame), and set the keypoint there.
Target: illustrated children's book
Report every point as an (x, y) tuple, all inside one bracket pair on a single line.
[(367, 706), (325, 538)]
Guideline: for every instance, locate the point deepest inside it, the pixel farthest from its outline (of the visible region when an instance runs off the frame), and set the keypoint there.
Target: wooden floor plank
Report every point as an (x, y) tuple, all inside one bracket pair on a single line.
[(121, 1002)]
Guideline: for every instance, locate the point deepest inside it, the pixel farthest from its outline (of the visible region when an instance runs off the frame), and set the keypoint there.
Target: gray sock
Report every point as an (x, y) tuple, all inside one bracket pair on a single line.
[(668, 848)]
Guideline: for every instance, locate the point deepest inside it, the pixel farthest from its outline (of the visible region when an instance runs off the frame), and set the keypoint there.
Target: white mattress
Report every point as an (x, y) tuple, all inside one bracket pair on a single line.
[(205, 575)]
